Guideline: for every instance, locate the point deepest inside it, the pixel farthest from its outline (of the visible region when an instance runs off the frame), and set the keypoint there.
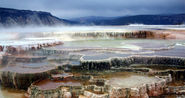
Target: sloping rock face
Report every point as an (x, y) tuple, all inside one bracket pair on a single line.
[(19, 71), (126, 61), (24, 46), (13, 17), (21, 78), (123, 34), (17, 58), (177, 75)]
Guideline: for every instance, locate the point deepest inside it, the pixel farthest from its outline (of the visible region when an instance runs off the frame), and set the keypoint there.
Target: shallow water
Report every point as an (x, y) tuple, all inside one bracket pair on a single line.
[(11, 93), (52, 84), (133, 44), (98, 49), (132, 81)]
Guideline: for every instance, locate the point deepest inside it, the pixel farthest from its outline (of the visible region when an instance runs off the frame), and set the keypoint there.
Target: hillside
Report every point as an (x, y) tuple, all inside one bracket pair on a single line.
[(12, 17), (174, 19)]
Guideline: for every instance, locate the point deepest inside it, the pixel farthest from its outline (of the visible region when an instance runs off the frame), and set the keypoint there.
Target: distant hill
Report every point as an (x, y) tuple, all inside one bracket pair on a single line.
[(12, 17), (138, 19), (91, 19)]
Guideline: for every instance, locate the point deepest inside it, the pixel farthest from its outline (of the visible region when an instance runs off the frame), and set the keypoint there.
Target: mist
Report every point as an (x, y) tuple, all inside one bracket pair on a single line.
[(16, 33), (59, 28)]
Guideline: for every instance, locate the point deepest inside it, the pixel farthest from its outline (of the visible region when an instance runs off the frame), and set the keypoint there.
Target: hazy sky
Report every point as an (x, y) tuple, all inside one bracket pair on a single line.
[(79, 8)]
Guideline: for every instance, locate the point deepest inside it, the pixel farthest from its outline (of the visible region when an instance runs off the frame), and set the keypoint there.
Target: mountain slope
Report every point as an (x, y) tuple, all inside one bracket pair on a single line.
[(91, 19), (12, 17), (139, 19)]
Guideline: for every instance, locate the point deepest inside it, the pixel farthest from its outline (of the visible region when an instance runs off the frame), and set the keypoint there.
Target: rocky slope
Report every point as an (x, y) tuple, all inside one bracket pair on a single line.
[(14, 17), (172, 19)]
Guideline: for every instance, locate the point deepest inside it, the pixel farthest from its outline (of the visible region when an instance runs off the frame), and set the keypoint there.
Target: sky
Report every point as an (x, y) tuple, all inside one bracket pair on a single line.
[(109, 8)]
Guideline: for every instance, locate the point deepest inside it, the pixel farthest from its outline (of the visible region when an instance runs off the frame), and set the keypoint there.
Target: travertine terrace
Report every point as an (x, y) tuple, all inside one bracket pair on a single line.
[(97, 64)]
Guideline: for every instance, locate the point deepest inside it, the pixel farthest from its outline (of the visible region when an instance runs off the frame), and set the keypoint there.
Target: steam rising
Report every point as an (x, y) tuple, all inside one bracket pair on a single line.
[(17, 33)]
